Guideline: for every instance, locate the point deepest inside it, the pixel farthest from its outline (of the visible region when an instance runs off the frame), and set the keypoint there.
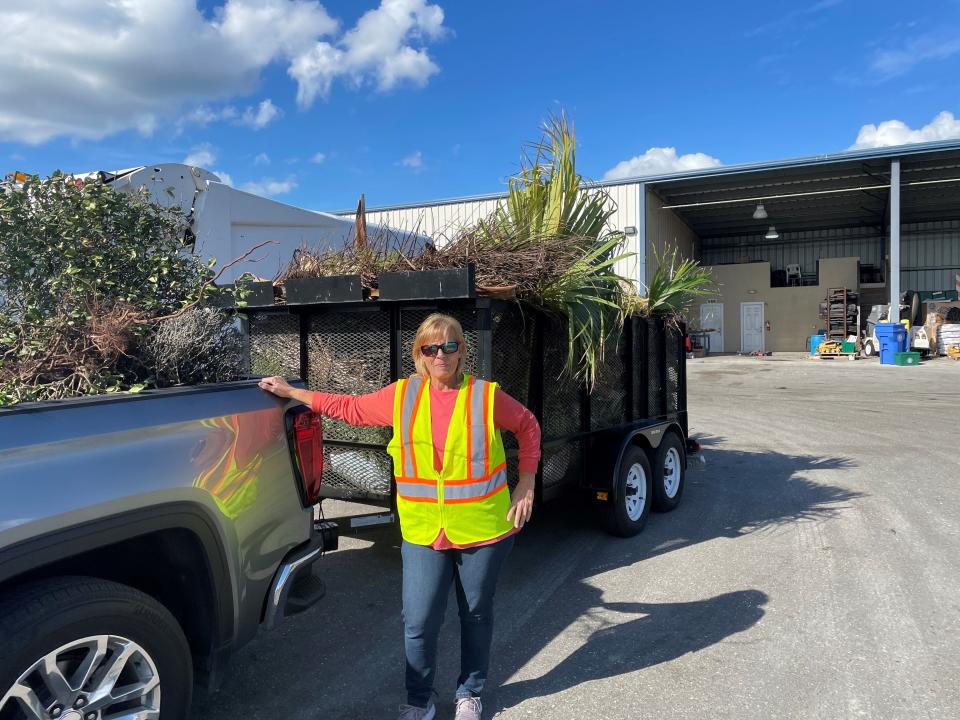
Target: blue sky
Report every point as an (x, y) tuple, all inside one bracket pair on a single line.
[(410, 100)]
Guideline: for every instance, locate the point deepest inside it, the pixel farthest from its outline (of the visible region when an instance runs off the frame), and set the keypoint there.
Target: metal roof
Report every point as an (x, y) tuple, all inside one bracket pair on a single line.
[(830, 163), (832, 193)]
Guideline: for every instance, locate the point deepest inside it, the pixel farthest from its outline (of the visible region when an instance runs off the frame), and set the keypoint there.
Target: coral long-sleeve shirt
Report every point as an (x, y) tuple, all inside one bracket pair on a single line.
[(377, 409)]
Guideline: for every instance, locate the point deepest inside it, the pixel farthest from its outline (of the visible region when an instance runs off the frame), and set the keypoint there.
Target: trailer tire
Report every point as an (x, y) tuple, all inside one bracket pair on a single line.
[(632, 496), (84, 622), (868, 349), (669, 473)]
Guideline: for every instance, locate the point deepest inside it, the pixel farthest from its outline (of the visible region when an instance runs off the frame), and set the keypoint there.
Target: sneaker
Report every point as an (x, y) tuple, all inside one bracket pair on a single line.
[(412, 712), (468, 709)]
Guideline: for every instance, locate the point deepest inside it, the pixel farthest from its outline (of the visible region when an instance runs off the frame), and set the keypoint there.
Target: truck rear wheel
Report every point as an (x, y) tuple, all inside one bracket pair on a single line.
[(87, 649), (627, 512), (669, 473)]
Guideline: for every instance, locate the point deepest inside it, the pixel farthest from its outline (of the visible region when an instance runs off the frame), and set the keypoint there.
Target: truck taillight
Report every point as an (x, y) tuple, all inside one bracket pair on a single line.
[(308, 437)]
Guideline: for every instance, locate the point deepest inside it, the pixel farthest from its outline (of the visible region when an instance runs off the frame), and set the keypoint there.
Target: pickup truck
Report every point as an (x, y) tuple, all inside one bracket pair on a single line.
[(143, 538)]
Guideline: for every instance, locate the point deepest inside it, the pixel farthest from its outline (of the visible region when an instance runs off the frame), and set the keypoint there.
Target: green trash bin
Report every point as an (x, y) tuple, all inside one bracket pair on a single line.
[(906, 358)]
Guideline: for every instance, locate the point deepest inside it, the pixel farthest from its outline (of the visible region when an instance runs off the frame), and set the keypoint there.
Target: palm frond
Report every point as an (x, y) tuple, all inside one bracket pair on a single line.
[(675, 285)]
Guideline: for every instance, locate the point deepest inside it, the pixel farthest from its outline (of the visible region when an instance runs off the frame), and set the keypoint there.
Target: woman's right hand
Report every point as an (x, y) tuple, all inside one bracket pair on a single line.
[(277, 385)]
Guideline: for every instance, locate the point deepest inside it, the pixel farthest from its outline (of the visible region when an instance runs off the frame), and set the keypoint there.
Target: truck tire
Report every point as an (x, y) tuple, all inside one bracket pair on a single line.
[(627, 512), (868, 349), (669, 473), (61, 637)]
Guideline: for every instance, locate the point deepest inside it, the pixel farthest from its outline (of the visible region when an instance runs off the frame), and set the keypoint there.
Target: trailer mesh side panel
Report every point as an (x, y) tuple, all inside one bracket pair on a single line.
[(349, 352), (512, 348), (561, 395), (562, 464), (274, 344), (672, 357), (356, 470), (608, 399), (639, 365), (410, 319), (655, 389)]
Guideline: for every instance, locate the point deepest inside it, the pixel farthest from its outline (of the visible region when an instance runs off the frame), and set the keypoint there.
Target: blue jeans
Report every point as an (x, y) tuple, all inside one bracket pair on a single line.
[(427, 574)]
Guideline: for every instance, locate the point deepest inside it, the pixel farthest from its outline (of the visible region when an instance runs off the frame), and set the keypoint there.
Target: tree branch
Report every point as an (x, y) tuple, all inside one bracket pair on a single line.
[(209, 282)]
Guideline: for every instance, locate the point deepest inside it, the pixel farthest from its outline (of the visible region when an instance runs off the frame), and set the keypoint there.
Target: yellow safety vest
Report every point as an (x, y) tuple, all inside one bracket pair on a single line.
[(469, 497)]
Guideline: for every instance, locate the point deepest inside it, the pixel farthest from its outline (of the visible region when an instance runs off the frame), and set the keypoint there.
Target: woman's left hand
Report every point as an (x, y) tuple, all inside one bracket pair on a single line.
[(521, 501)]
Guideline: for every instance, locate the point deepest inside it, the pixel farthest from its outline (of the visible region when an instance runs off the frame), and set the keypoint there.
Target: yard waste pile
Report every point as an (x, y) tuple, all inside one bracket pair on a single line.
[(544, 312), (97, 295), (548, 246)]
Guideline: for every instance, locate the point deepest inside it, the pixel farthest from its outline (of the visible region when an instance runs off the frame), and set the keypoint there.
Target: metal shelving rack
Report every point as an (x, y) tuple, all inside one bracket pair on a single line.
[(841, 320)]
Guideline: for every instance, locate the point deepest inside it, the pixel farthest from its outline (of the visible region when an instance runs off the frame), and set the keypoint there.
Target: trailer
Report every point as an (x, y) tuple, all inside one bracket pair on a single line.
[(622, 443)]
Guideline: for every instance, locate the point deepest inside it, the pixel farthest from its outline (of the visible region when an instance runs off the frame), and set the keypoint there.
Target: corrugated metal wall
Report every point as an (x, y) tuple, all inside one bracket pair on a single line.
[(441, 221), (666, 230), (930, 255), (803, 248), (929, 252)]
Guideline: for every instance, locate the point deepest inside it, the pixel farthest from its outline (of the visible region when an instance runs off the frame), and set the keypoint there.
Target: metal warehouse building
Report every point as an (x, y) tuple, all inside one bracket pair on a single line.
[(777, 235)]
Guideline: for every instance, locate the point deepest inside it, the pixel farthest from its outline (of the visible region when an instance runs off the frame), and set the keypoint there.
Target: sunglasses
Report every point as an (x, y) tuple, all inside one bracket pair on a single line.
[(448, 348)]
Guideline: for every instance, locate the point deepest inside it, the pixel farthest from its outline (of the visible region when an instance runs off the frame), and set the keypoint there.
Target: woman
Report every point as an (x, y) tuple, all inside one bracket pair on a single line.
[(457, 514)]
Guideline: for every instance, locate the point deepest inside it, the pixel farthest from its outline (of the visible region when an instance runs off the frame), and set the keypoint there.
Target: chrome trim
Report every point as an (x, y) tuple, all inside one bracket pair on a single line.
[(280, 588)]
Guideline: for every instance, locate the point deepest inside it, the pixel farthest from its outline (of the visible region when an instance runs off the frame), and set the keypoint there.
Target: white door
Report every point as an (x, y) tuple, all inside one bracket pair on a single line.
[(751, 327), (711, 322)]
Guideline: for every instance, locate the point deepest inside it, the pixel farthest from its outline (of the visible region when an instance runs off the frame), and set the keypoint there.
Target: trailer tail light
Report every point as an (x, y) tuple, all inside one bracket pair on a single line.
[(308, 441)]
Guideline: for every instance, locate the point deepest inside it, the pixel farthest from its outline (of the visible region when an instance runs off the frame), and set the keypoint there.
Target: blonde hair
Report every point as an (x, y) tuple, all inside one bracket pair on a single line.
[(437, 324)]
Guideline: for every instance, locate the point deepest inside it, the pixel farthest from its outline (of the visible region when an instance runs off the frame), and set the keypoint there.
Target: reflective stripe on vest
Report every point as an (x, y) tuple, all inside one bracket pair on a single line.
[(469, 496)]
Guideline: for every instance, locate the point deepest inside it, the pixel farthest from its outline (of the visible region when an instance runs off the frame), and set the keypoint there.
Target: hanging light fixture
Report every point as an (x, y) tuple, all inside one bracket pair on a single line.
[(760, 213), (772, 233)]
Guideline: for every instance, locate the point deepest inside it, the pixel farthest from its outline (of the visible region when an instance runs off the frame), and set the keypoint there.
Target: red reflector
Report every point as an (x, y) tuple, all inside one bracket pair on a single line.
[(309, 438)]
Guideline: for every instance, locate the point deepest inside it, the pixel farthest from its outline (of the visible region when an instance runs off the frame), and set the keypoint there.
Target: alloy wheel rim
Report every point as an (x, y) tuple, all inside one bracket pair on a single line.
[(91, 678)]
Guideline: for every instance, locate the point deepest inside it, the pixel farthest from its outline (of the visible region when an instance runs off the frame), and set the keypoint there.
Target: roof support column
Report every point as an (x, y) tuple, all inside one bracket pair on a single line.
[(642, 240), (894, 280)]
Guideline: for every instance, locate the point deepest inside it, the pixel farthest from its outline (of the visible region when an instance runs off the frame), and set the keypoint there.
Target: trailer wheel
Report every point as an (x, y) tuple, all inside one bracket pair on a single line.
[(669, 473), (868, 349), (632, 494)]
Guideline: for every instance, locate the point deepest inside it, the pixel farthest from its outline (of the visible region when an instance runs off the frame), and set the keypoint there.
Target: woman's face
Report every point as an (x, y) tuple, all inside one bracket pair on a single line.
[(442, 366)]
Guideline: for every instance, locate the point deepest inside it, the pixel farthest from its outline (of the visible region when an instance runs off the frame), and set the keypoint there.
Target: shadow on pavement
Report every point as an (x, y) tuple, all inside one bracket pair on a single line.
[(344, 658), (663, 632)]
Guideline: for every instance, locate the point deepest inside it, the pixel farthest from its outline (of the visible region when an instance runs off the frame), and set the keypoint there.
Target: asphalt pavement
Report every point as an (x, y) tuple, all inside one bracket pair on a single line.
[(812, 571)]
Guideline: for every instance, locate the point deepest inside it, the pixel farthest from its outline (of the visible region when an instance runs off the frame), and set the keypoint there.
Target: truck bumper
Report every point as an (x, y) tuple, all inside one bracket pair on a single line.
[(295, 588)]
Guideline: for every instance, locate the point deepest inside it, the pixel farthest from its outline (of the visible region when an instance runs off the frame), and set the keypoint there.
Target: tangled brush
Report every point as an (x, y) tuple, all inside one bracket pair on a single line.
[(200, 345)]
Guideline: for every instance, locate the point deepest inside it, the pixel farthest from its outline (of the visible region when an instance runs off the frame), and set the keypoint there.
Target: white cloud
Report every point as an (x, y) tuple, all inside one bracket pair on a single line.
[(660, 160), (268, 187), (224, 177), (896, 132), (203, 115), (264, 114), (202, 156), (380, 45), (318, 158), (414, 160), (87, 69), (261, 159), (893, 62)]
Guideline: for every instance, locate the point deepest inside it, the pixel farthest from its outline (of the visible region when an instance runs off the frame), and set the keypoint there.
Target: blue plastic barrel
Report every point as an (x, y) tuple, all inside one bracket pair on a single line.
[(815, 341), (891, 337)]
